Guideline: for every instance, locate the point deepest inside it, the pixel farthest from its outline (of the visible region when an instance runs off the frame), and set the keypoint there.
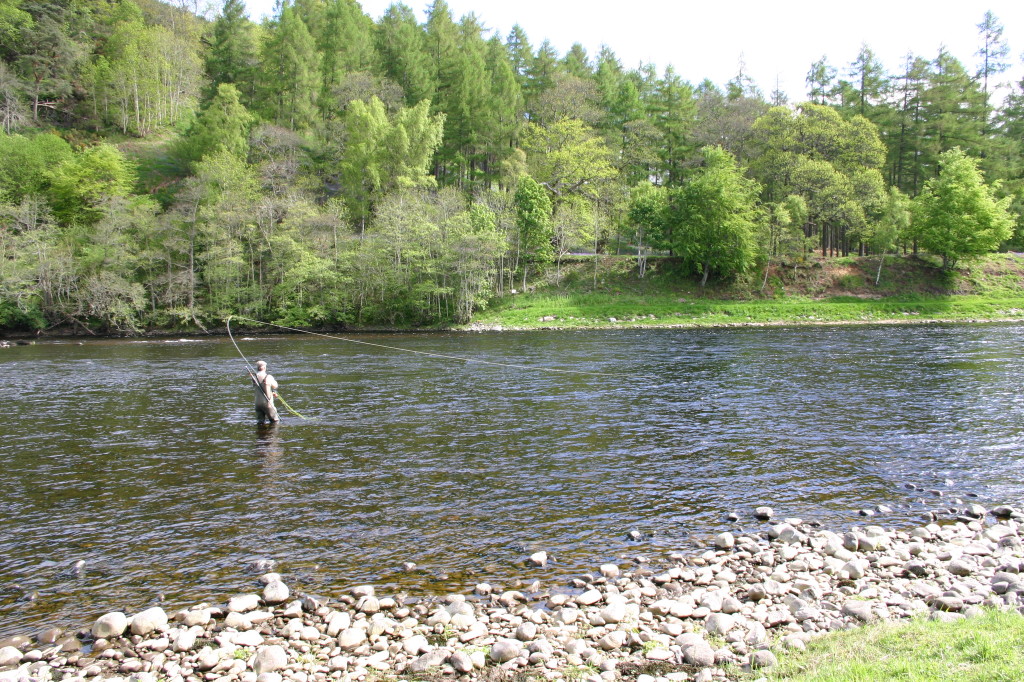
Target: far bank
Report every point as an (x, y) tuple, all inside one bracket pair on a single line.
[(586, 293)]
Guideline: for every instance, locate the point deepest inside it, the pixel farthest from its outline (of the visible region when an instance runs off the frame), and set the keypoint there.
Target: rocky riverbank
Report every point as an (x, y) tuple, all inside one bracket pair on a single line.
[(706, 617)]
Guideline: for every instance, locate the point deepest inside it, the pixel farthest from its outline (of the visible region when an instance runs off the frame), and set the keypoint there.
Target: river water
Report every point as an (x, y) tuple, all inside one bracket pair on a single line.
[(143, 459)]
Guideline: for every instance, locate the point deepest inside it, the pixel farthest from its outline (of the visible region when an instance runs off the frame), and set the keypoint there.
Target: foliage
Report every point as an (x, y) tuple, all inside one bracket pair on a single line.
[(28, 162), (567, 159), (385, 153), (957, 216), (713, 217), (222, 125), (533, 218), (79, 185), (647, 213)]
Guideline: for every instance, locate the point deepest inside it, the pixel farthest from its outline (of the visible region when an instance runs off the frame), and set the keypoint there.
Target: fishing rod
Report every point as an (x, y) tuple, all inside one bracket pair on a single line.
[(420, 352), (252, 371)]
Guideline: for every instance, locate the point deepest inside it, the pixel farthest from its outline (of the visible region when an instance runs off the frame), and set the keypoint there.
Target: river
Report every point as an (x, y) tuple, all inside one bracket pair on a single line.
[(143, 459)]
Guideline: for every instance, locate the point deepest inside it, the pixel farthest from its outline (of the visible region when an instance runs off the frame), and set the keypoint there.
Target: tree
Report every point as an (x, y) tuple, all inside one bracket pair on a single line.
[(540, 75), (572, 227), (223, 125), (576, 63), (674, 114), (292, 72), (905, 161), (714, 216), (345, 41), (505, 107), (726, 122), (46, 55), (13, 112), (383, 153), (647, 214), (14, 26), (993, 51), (232, 57), (567, 158), (464, 95), (80, 185), (831, 162), (954, 112), (893, 225), (569, 97), (147, 77), (869, 82), (957, 216), (533, 218), (819, 80), (520, 54), (28, 164), (402, 47)]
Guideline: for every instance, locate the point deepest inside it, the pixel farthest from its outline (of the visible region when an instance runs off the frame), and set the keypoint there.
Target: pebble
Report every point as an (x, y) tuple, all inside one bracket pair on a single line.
[(110, 625), (270, 659), (10, 656), (725, 541), (275, 592), (505, 650), (538, 559), (150, 620), (243, 602)]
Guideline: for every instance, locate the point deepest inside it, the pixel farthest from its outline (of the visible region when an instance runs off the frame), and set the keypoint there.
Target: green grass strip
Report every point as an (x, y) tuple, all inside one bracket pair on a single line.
[(609, 310), (986, 648)]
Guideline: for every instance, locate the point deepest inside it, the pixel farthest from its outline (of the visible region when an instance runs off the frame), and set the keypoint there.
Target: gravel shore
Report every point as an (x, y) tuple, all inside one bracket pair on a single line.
[(703, 618)]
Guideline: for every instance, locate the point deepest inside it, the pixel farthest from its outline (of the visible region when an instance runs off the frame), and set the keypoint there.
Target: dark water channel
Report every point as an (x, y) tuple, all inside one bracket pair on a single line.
[(143, 458)]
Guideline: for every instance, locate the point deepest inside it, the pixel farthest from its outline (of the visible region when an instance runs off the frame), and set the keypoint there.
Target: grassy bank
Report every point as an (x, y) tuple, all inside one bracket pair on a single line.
[(987, 648), (609, 293)]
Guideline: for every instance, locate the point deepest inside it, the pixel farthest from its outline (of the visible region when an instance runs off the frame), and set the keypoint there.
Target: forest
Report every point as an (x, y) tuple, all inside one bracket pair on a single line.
[(160, 168)]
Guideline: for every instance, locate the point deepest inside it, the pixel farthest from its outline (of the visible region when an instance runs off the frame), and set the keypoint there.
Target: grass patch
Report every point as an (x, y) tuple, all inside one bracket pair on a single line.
[(604, 310), (988, 648)]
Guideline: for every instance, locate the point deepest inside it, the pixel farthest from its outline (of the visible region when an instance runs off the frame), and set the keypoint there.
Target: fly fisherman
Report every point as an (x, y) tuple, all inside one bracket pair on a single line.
[(266, 391)]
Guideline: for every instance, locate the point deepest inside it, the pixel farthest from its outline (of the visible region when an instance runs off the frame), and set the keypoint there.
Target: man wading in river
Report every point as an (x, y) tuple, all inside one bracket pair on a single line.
[(266, 391)]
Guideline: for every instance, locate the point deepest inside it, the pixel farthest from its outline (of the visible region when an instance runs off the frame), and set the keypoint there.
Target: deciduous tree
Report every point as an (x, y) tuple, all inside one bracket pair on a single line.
[(957, 215), (714, 217)]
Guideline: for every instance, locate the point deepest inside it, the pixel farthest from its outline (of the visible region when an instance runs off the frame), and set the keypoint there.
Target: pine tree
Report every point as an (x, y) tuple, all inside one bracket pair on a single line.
[(577, 63), (520, 54), (345, 42), (222, 126), (993, 52), (869, 82), (232, 55), (954, 112), (442, 44), (540, 75), (505, 108), (674, 112), (819, 80), (401, 44), (905, 156), (466, 102), (292, 68)]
